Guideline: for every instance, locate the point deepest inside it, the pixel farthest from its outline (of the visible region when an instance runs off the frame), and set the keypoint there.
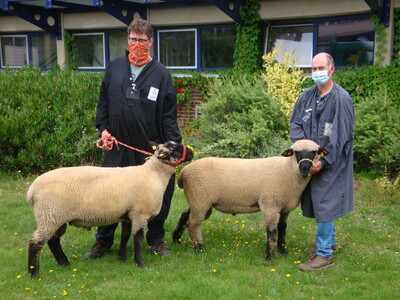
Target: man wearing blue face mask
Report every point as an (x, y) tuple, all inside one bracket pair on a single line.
[(324, 113)]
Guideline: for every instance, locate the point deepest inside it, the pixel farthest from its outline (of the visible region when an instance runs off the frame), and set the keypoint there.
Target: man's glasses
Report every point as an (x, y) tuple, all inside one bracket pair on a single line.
[(134, 40)]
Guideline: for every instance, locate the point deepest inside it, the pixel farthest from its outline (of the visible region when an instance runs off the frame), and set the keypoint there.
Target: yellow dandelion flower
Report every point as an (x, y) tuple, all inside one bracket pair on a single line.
[(65, 293), (19, 250), (31, 267), (15, 233), (273, 270), (75, 270), (297, 282), (347, 278), (151, 281), (19, 276), (27, 289), (50, 271), (82, 286), (304, 227), (214, 270), (389, 236), (288, 275)]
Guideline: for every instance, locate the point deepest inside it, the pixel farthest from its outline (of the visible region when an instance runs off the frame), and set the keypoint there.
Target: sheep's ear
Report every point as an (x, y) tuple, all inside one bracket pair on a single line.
[(288, 152), (322, 152)]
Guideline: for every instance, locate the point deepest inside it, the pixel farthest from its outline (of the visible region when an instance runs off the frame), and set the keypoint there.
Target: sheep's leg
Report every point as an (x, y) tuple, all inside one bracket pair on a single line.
[(55, 247), (282, 233), (181, 226), (33, 256), (271, 241), (271, 220), (138, 239), (125, 235), (194, 228)]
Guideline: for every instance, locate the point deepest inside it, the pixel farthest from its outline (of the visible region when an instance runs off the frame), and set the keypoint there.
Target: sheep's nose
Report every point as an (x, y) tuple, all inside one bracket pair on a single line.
[(305, 167)]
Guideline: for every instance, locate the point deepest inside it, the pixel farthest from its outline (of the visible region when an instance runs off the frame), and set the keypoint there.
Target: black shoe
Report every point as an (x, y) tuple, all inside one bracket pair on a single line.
[(97, 250), (160, 249)]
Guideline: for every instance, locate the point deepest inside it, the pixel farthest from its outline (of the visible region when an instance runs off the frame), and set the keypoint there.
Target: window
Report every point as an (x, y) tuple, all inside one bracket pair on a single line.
[(20, 50), (297, 38), (217, 47), (117, 43), (90, 48), (350, 42), (44, 50), (14, 51), (177, 48)]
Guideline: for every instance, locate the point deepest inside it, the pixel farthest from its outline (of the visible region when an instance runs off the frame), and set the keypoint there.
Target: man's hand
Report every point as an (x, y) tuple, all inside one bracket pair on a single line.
[(316, 167)]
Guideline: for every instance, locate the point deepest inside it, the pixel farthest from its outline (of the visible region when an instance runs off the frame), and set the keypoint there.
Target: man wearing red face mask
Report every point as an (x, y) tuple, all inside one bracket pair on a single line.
[(137, 104)]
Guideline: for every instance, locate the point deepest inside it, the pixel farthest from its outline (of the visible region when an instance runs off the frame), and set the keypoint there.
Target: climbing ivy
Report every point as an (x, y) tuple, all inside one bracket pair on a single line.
[(247, 54), (381, 40), (396, 46), (71, 51)]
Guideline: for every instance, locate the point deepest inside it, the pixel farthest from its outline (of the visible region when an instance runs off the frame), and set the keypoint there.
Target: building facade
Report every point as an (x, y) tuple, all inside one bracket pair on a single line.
[(191, 35)]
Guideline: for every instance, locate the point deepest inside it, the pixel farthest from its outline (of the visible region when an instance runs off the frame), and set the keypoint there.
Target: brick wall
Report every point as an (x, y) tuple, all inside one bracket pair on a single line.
[(188, 112)]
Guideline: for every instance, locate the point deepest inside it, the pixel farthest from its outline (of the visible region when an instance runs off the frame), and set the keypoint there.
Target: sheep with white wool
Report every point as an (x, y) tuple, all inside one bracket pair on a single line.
[(97, 196), (271, 185)]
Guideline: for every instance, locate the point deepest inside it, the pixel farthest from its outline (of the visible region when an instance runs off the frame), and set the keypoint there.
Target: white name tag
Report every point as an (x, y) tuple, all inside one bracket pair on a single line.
[(328, 129), (153, 93)]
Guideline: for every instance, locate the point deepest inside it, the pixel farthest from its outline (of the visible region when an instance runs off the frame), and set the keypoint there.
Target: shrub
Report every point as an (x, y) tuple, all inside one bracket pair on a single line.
[(377, 131), (284, 80), (47, 120), (240, 119)]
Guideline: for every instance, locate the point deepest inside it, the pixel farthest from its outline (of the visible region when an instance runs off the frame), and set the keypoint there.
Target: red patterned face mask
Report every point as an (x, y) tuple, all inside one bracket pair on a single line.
[(139, 54)]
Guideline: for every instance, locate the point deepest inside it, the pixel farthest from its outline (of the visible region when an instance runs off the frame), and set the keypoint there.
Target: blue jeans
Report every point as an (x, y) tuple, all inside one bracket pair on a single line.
[(325, 239)]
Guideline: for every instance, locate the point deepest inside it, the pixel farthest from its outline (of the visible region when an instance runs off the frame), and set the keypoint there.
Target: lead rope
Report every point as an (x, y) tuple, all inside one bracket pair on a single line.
[(108, 143)]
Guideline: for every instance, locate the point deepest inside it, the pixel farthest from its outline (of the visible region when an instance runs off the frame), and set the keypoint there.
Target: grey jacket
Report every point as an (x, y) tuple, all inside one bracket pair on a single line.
[(329, 121)]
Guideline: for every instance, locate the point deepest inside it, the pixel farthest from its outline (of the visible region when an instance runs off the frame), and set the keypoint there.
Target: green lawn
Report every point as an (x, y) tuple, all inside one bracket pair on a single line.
[(232, 267)]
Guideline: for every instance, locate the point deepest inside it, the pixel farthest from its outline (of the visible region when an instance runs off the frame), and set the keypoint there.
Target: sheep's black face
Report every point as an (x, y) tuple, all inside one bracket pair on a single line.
[(173, 153), (305, 160)]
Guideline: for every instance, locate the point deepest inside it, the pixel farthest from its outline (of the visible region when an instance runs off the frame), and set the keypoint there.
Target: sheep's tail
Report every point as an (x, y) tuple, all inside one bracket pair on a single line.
[(30, 199), (181, 179)]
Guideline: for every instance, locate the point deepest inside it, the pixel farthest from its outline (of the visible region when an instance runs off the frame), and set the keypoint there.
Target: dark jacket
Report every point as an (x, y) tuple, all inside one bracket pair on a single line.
[(134, 122), (330, 123)]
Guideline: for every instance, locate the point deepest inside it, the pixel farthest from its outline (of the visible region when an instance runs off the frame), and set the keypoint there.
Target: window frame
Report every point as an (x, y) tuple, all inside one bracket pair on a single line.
[(196, 42), (292, 25), (27, 52), (315, 22), (105, 49)]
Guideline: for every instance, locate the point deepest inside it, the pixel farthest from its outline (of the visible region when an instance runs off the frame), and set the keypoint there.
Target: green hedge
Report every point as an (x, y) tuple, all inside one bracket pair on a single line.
[(47, 119)]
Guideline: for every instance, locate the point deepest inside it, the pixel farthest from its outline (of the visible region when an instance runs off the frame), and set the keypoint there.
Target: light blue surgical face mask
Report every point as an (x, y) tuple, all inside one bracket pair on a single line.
[(320, 77)]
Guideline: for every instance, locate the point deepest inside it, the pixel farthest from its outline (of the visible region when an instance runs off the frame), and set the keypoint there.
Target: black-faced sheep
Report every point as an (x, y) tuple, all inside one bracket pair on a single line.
[(271, 185), (95, 196)]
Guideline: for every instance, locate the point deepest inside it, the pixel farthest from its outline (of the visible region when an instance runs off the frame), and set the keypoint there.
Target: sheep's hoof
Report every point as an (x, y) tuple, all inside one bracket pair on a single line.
[(33, 273), (64, 263), (283, 251), (269, 257), (140, 264), (198, 248), (176, 240), (122, 256)]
